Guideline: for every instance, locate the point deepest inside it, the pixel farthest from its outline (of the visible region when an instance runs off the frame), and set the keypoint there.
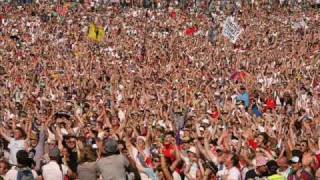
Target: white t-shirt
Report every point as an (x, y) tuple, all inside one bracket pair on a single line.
[(176, 176), (13, 173), (52, 171), (15, 146), (232, 174)]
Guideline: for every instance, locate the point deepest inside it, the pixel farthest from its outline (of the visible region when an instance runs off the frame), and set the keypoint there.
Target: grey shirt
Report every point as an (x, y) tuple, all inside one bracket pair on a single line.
[(113, 167), (87, 170), (40, 148)]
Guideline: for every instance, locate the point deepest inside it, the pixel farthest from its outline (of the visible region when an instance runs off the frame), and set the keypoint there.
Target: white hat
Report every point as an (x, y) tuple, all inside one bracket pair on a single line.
[(206, 121), (192, 149)]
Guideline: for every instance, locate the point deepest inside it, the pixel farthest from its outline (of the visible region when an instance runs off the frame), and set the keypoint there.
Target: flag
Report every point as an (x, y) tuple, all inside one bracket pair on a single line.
[(96, 33), (191, 31)]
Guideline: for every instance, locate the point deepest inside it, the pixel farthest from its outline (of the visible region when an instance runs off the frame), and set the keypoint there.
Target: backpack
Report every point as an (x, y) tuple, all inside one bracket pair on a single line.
[(25, 174)]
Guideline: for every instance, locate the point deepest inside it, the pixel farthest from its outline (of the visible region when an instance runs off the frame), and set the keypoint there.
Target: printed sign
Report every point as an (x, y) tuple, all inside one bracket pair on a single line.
[(231, 29)]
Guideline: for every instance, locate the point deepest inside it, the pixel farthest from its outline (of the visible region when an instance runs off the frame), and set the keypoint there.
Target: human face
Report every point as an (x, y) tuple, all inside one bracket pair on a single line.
[(262, 169), (167, 140), (51, 145), (303, 146), (260, 140), (65, 152), (192, 156), (140, 143), (17, 134), (71, 143), (3, 169), (282, 163), (296, 166), (34, 142), (228, 161)]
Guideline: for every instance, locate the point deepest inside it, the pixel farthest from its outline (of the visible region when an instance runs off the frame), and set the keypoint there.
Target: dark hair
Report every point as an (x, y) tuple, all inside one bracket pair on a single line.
[(210, 165), (235, 160), (171, 133), (272, 167), (265, 137), (23, 159), (23, 133)]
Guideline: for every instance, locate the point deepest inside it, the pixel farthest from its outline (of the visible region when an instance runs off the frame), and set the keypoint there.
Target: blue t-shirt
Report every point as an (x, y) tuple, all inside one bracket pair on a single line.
[(245, 98)]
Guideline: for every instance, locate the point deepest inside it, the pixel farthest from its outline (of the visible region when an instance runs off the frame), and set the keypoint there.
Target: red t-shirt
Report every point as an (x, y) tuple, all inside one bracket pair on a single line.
[(215, 115), (271, 104), (168, 152), (191, 31), (252, 144)]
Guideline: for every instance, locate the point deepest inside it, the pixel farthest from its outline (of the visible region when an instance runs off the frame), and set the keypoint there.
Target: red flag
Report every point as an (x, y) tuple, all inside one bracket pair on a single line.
[(191, 31)]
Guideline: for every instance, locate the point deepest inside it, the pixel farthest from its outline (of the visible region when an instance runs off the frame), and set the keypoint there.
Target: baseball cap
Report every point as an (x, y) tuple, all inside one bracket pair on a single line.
[(295, 159), (192, 149)]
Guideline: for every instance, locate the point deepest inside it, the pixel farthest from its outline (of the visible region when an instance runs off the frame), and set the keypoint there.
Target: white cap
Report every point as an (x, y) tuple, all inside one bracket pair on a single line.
[(192, 149), (206, 121)]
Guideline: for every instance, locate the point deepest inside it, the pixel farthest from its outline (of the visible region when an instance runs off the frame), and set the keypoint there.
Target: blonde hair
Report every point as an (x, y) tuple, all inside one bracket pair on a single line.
[(88, 154)]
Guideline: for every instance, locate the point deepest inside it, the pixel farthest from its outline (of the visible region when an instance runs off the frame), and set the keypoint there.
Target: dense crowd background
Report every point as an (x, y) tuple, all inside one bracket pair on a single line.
[(164, 95)]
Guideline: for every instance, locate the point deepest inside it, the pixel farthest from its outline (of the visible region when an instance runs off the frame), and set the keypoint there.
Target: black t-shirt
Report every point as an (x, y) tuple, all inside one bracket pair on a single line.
[(73, 161), (251, 174)]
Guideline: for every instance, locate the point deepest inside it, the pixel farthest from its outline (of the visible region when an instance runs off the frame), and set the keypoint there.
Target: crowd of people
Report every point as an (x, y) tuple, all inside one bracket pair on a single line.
[(163, 95)]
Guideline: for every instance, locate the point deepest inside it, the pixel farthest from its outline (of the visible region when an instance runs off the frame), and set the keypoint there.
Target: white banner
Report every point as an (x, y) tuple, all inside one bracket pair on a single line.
[(231, 29)]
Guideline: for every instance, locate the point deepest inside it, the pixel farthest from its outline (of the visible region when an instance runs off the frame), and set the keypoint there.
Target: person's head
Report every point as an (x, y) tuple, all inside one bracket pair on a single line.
[(232, 160), (114, 122), (4, 167), (296, 163), (168, 138), (121, 145), (304, 146), (54, 154), (261, 165), (192, 154), (111, 147), (242, 89), (283, 163), (23, 159), (52, 144), (65, 152), (71, 142), (141, 142), (272, 167), (33, 140), (262, 139), (88, 154), (19, 133)]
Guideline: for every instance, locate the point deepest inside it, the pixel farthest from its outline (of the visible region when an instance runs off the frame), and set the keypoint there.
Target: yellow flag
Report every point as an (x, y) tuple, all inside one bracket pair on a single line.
[(92, 32), (100, 33), (96, 33)]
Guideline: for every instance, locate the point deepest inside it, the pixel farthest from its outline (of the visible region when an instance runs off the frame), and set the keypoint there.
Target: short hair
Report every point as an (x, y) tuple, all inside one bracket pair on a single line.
[(23, 133), (265, 137), (235, 160), (88, 154), (171, 133)]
